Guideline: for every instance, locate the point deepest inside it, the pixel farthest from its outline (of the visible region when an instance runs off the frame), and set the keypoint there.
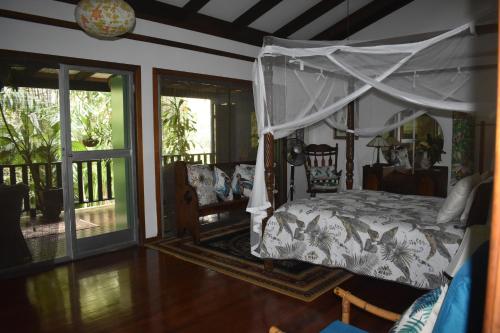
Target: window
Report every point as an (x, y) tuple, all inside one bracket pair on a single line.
[(420, 141)]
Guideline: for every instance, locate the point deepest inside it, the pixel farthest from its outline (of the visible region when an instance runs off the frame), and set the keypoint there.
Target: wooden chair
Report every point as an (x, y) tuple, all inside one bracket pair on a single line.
[(321, 156)]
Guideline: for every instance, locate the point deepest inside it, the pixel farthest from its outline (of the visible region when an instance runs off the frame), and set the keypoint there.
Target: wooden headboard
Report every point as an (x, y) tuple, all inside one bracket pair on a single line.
[(481, 206)]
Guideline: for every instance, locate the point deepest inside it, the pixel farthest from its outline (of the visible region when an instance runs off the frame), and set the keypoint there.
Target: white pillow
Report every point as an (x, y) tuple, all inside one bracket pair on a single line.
[(455, 202), (470, 200)]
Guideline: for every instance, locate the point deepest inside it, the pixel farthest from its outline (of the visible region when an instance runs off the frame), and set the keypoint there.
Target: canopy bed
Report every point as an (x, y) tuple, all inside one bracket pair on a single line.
[(302, 83)]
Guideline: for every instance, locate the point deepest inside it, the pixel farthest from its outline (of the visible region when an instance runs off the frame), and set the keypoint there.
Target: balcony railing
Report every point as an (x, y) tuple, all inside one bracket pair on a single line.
[(203, 158), (92, 179)]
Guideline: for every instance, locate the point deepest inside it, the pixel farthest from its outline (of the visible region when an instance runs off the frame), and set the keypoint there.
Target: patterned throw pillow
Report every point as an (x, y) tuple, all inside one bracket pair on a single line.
[(202, 179), (324, 176), (243, 176), (422, 314), (222, 185)]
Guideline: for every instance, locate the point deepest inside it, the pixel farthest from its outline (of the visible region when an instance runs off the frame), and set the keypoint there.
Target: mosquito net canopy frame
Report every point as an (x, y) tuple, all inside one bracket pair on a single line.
[(301, 83)]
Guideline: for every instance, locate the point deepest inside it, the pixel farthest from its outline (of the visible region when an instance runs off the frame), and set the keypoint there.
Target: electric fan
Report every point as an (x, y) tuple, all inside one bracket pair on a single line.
[(295, 157)]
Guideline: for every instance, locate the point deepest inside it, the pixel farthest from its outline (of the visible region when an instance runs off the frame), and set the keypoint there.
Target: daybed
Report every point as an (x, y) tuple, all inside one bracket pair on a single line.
[(187, 206)]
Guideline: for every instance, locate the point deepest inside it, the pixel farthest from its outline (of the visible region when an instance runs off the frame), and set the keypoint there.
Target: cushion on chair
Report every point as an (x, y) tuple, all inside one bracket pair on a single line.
[(463, 307), (222, 184), (339, 327), (242, 182), (422, 314), (201, 177), (323, 177)]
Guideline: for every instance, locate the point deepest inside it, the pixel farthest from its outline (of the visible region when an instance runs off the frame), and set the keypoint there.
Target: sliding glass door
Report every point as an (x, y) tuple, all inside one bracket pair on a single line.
[(67, 168), (98, 158)]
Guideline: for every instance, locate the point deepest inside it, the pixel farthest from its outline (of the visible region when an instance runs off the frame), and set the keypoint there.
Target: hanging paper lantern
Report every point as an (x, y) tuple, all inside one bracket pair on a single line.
[(105, 18)]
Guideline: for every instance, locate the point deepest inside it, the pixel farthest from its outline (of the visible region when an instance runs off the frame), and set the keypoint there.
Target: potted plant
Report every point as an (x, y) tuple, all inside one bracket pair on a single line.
[(430, 151)]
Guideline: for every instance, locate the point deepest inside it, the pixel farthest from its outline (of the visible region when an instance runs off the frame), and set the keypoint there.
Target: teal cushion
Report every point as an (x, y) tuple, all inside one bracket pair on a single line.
[(339, 327), (460, 312)]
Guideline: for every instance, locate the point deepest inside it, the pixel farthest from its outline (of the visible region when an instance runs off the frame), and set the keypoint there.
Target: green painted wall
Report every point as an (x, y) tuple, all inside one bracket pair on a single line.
[(119, 139)]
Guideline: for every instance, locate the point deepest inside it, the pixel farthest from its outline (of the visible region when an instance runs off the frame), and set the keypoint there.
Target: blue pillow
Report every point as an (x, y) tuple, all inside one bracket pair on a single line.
[(461, 313), (340, 327)]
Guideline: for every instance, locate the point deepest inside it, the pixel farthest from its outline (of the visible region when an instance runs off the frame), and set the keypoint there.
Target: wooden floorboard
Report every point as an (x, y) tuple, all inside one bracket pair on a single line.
[(142, 290)]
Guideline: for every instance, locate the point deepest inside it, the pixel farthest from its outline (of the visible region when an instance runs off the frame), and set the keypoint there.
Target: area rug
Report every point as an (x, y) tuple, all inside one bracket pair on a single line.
[(227, 251), (46, 229)]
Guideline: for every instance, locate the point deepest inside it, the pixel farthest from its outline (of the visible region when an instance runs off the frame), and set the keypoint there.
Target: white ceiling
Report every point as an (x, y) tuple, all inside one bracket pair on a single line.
[(279, 15)]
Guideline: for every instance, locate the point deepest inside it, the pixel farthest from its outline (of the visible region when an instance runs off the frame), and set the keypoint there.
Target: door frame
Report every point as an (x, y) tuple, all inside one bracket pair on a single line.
[(137, 121), (75, 247), (157, 72)]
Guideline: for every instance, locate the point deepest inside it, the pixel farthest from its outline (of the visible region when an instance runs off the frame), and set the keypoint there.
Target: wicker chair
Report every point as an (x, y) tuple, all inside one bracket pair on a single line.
[(462, 309)]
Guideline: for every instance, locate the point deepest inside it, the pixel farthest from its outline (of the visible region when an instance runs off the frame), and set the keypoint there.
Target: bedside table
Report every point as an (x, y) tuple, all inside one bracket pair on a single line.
[(384, 177)]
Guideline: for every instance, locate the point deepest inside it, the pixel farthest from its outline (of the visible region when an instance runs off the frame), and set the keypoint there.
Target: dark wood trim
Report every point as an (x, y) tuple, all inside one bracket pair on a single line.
[(360, 19), (141, 38), (481, 146), (307, 17), (256, 11), (491, 322), (160, 12), (152, 240), (480, 30), (55, 59), (136, 70), (205, 77), (157, 150), (157, 72), (349, 151), (195, 5)]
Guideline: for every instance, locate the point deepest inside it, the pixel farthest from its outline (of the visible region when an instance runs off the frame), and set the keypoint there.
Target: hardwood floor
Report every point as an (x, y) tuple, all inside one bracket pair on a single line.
[(142, 290)]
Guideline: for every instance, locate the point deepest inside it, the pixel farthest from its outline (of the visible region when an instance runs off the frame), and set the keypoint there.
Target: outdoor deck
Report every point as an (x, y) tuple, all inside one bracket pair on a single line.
[(47, 241)]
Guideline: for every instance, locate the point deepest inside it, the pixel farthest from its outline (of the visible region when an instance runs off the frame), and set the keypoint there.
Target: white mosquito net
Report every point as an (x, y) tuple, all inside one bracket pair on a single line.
[(301, 83)]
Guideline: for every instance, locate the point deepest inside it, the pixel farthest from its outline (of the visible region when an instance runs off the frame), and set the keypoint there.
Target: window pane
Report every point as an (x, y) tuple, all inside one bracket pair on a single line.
[(30, 153), (97, 106)]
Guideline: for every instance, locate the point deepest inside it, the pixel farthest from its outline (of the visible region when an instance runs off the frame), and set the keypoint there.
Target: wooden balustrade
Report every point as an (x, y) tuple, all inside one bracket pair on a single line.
[(203, 158), (89, 184)]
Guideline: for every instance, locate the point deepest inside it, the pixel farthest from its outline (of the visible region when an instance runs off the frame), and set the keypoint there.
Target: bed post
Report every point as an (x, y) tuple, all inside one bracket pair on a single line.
[(268, 150), (349, 151), (269, 169)]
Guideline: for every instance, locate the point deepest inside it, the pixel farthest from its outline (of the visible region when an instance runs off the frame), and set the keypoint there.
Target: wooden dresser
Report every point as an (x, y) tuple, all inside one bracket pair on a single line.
[(384, 177)]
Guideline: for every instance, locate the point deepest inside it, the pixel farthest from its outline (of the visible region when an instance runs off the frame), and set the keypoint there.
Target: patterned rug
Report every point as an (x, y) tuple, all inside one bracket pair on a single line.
[(227, 251), (40, 230)]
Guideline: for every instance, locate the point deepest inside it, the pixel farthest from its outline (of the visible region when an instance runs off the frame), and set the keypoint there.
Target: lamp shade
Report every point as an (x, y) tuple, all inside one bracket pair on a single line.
[(378, 141), (105, 19), (392, 141)]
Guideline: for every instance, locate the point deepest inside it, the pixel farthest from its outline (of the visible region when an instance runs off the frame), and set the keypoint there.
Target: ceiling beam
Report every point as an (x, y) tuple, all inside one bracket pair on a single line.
[(360, 19), (256, 11), (307, 17), (195, 5), (179, 17)]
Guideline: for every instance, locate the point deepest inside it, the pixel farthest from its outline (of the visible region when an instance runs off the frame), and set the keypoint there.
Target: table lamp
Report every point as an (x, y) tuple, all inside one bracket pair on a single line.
[(378, 142)]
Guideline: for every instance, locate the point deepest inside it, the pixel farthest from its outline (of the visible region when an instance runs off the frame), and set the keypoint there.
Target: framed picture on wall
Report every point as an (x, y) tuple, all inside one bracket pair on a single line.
[(341, 117)]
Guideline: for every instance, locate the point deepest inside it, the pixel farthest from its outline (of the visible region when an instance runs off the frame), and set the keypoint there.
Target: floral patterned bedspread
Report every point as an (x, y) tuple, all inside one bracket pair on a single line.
[(385, 235)]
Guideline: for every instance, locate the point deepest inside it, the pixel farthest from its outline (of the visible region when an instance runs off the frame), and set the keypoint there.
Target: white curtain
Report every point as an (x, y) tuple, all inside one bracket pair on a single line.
[(299, 84)]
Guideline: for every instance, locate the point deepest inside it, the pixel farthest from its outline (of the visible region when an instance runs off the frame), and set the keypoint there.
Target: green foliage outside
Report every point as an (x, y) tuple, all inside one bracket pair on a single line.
[(91, 118), (30, 129), (178, 123)]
